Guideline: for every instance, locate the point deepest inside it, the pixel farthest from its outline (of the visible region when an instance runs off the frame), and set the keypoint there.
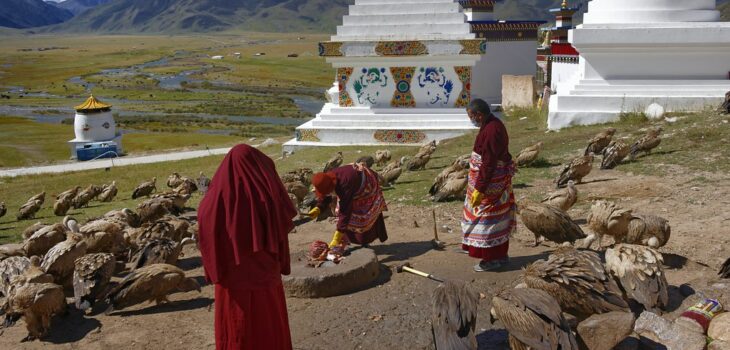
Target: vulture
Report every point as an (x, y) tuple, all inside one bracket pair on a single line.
[(459, 164), (9, 268), (614, 154), (333, 163), (454, 186), (725, 269), (92, 273), (429, 148), (725, 107), (11, 250), (178, 200), (179, 227), (528, 155), (160, 251), (533, 319), (298, 189), (126, 217), (30, 230), (59, 261), (390, 174), (3, 209), (303, 175), (203, 183), (647, 143), (382, 157), (154, 209), (648, 230), (174, 180), (365, 161), (576, 170), (187, 187), (640, 273), (86, 196), (549, 222), (418, 162), (29, 209), (39, 197), (30, 272), (454, 316), (294, 200), (63, 205), (37, 303), (564, 198), (159, 229), (145, 189), (42, 240), (108, 192), (150, 283), (607, 218), (578, 281), (599, 142), (103, 236), (69, 194)]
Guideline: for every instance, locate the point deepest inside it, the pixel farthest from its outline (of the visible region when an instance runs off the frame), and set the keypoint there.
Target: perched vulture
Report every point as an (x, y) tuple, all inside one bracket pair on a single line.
[(576, 170), (614, 154), (533, 319), (174, 180), (145, 189), (30, 230), (179, 227), (154, 209), (150, 283), (3, 209), (44, 239), (428, 148), (187, 187), (454, 316), (725, 269), (725, 107), (578, 281), (39, 197), (648, 230), (333, 163), (390, 174), (549, 222), (126, 217), (103, 236), (459, 164), (454, 186), (203, 183), (92, 273), (639, 270), (160, 251), (600, 141), (158, 229), (59, 261), (178, 200), (528, 155), (69, 194), (86, 196), (418, 162), (563, 199), (303, 175), (29, 209), (298, 189), (62, 206), (607, 218), (382, 157), (108, 192), (10, 250), (37, 303), (9, 268), (647, 143)]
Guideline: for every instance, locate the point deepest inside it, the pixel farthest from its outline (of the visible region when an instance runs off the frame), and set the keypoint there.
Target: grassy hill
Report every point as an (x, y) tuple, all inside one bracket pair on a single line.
[(30, 13)]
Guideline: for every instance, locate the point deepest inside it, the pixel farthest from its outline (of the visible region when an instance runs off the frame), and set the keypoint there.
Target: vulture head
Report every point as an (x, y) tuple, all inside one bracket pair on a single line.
[(188, 285)]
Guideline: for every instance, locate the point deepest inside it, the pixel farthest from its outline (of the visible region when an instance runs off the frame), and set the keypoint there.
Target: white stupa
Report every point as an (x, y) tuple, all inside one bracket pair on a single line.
[(404, 71), (95, 131), (640, 53)]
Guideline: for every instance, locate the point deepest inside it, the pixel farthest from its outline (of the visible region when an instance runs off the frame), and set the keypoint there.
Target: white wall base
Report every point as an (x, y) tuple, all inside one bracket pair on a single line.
[(501, 58)]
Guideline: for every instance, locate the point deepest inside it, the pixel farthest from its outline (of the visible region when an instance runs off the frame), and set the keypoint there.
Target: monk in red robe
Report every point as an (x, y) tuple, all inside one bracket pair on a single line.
[(489, 209), (244, 221), (360, 203)]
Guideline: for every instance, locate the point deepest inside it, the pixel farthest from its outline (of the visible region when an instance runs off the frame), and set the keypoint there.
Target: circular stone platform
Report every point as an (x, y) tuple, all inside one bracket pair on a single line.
[(356, 271)]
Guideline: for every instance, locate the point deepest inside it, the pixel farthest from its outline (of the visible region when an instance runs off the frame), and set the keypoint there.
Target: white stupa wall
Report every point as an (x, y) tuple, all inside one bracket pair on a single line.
[(92, 127), (639, 52), (501, 58)]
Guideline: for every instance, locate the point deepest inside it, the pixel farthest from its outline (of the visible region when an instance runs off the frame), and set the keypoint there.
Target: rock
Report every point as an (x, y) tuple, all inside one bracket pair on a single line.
[(655, 329), (357, 271), (604, 331), (269, 142), (719, 345), (720, 327)]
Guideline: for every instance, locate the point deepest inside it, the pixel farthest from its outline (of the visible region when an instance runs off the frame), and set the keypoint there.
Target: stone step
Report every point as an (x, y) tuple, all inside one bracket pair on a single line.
[(404, 8), (628, 103), (414, 30), (393, 19), (649, 5)]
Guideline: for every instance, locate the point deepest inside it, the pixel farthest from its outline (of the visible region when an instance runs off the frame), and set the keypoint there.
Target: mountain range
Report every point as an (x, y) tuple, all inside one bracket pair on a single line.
[(30, 13), (79, 6)]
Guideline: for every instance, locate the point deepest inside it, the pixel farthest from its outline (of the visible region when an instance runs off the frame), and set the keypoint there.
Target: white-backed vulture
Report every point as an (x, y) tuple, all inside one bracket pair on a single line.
[(3, 209), (607, 218), (418, 162), (578, 281), (203, 183), (44, 239), (159, 251), (563, 199), (528, 155), (725, 269), (600, 141), (576, 170), (28, 210), (533, 319), (453, 187), (37, 303), (150, 283), (59, 261), (390, 174), (457, 166), (154, 209), (145, 189), (454, 316), (614, 154), (86, 196), (333, 163), (382, 157), (549, 222), (646, 143), (108, 192), (92, 273), (639, 270), (648, 230)]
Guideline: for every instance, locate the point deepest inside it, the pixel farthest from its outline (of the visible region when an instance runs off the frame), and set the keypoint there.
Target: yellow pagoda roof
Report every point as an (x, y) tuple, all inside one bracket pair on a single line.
[(92, 104)]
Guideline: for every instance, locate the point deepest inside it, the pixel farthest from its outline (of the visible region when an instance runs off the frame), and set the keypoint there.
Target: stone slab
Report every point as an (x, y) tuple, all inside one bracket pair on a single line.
[(357, 271), (518, 91)]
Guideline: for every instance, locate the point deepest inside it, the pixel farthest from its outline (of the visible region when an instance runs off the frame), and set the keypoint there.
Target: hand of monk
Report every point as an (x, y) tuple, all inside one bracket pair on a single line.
[(476, 199), (314, 213), (336, 239)]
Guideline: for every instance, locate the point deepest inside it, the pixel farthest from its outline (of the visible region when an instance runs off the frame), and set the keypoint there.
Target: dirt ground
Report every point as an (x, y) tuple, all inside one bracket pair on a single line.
[(394, 312)]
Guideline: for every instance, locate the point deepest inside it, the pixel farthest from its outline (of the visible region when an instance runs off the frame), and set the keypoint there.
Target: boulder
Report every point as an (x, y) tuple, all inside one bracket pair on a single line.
[(655, 329), (605, 331), (357, 271), (720, 327)]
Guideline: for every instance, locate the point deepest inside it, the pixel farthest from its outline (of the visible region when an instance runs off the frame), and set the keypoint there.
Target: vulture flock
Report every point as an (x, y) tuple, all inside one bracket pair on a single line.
[(85, 260)]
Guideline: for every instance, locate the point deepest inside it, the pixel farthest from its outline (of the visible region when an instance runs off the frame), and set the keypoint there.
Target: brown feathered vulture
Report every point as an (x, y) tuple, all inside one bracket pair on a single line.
[(159, 251), (725, 269), (576, 170), (606, 218), (150, 283), (457, 166), (37, 303), (178, 201), (333, 163), (69, 194), (454, 186), (578, 281), (62, 206), (418, 162), (600, 141), (203, 183), (92, 273), (30, 230), (549, 222), (10, 250), (647, 143), (528, 155), (108, 192), (153, 209), (29, 209), (3, 209), (563, 199), (614, 154), (60, 259), (454, 316), (390, 174), (86, 196), (145, 189), (298, 189), (649, 230), (126, 217), (429, 148), (533, 319), (382, 157), (640, 272), (41, 241), (39, 197), (174, 180), (187, 187), (9, 268)]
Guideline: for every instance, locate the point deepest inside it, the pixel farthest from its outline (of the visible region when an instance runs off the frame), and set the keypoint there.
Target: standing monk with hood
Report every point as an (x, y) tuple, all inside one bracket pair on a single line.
[(244, 221), (489, 208)]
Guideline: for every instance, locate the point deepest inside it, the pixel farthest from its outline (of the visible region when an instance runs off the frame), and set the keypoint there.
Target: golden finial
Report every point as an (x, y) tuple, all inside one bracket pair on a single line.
[(565, 4)]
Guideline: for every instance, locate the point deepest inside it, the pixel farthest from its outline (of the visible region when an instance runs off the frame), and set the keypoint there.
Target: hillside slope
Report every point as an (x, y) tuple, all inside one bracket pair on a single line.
[(79, 6), (30, 13)]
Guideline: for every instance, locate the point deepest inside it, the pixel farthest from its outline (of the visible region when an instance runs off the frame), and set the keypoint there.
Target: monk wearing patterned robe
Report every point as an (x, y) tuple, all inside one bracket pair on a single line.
[(244, 221), (489, 209), (360, 204)]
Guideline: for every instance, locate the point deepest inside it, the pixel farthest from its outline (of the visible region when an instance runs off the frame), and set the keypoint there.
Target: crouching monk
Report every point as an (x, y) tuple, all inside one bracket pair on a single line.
[(489, 208), (360, 204), (244, 221)]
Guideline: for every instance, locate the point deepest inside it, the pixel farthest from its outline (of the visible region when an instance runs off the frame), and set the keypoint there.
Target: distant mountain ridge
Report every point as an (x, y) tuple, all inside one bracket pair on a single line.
[(79, 6), (30, 13)]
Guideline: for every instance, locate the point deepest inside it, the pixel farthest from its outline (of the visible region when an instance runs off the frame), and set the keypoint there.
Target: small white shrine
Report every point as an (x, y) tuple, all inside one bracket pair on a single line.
[(95, 131), (640, 53), (404, 73)]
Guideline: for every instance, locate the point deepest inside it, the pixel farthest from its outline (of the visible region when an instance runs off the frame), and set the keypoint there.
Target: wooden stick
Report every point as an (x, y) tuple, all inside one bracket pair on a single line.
[(422, 274), (435, 226)]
